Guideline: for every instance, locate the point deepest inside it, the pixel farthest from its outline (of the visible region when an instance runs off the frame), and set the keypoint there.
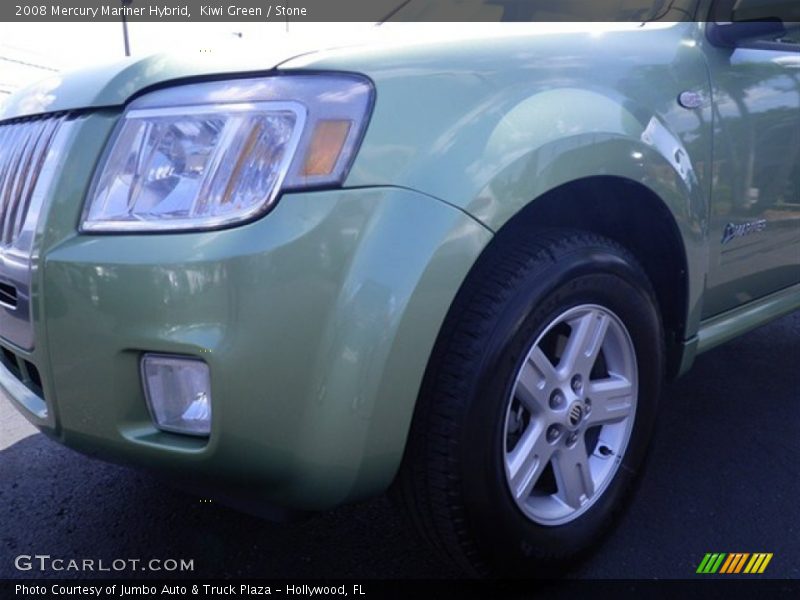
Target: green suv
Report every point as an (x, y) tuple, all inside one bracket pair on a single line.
[(459, 270)]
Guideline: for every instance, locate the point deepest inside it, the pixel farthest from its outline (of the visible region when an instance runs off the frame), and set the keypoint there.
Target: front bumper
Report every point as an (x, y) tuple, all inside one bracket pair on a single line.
[(316, 322)]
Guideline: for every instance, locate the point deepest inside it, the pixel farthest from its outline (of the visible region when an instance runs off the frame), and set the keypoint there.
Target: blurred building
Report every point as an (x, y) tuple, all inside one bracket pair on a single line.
[(19, 67)]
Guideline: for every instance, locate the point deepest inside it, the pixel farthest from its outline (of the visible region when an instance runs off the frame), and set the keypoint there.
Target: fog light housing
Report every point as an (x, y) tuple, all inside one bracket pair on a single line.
[(178, 393)]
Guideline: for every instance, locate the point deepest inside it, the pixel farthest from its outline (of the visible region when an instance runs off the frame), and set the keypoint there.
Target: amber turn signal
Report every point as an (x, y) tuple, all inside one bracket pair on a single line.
[(326, 147)]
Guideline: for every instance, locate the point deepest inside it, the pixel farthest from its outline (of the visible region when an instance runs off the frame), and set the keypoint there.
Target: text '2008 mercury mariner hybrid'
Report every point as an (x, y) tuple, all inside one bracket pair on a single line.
[(457, 269)]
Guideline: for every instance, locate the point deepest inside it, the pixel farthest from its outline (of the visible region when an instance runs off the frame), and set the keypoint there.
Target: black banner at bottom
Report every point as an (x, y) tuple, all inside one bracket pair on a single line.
[(106, 589)]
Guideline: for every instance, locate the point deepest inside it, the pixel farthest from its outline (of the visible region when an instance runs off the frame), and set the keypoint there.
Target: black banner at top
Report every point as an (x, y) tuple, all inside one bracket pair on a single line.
[(383, 10)]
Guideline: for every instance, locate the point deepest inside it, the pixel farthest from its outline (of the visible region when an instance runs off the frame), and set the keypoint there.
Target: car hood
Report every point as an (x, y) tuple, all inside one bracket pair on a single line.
[(113, 84)]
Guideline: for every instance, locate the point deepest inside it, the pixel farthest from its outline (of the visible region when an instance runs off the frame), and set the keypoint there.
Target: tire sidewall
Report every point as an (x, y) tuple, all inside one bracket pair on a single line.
[(591, 275)]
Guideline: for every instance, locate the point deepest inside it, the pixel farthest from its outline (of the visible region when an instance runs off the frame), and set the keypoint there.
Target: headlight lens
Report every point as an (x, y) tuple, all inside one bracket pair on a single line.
[(209, 155), (180, 167)]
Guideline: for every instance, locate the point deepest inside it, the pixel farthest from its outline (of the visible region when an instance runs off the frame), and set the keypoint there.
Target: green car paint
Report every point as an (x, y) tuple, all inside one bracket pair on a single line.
[(315, 336), (318, 319)]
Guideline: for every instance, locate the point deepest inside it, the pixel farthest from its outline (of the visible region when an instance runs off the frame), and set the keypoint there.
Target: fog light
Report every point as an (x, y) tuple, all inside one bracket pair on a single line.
[(178, 392)]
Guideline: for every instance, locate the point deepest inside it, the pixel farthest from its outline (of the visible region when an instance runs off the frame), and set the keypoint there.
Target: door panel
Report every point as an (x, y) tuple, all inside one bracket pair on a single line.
[(755, 206)]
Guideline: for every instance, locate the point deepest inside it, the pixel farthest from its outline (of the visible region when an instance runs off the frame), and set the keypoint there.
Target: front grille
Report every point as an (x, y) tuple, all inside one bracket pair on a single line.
[(24, 370), (24, 145), (33, 152), (8, 295)]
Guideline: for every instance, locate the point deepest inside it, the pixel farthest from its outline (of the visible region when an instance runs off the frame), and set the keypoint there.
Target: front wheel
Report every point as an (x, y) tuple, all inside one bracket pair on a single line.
[(570, 414), (537, 406)]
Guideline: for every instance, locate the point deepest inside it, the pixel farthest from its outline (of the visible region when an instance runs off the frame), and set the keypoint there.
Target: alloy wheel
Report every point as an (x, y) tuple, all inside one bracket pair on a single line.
[(570, 415)]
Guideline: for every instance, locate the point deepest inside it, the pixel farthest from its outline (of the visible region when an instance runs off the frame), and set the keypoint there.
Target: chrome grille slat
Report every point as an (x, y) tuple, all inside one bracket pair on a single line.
[(37, 156), (9, 143), (15, 196), (24, 145)]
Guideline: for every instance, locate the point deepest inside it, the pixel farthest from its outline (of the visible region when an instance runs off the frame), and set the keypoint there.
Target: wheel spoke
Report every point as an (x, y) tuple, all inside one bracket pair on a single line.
[(584, 343), (612, 399), (574, 480), (527, 460), (535, 379)]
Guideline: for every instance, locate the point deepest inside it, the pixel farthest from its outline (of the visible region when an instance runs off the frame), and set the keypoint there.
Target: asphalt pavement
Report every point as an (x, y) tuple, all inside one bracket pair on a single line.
[(723, 476)]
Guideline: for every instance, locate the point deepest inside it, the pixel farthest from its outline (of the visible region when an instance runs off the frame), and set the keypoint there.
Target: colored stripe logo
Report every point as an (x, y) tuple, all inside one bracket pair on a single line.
[(734, 563)]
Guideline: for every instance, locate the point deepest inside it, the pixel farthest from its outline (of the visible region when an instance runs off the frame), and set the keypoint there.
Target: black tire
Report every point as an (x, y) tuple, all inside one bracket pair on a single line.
[(452, 483)]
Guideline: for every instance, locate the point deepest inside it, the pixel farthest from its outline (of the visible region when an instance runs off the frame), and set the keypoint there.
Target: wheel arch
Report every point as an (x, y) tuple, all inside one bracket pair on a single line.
[(632, 215)]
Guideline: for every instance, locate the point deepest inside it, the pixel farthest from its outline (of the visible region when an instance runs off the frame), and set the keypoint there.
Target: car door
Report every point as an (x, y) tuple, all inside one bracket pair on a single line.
[(754, 224)]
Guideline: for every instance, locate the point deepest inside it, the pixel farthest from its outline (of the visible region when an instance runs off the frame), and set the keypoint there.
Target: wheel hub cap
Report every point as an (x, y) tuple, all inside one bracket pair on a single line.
[(575, 414)]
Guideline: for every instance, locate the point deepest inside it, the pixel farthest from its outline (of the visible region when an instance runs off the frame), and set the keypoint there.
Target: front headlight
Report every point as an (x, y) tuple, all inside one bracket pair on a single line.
[(207, 155)]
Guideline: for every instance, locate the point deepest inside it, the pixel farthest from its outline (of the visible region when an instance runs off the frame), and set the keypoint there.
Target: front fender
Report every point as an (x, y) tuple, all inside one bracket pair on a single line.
[(656, 159), (492, 125)]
